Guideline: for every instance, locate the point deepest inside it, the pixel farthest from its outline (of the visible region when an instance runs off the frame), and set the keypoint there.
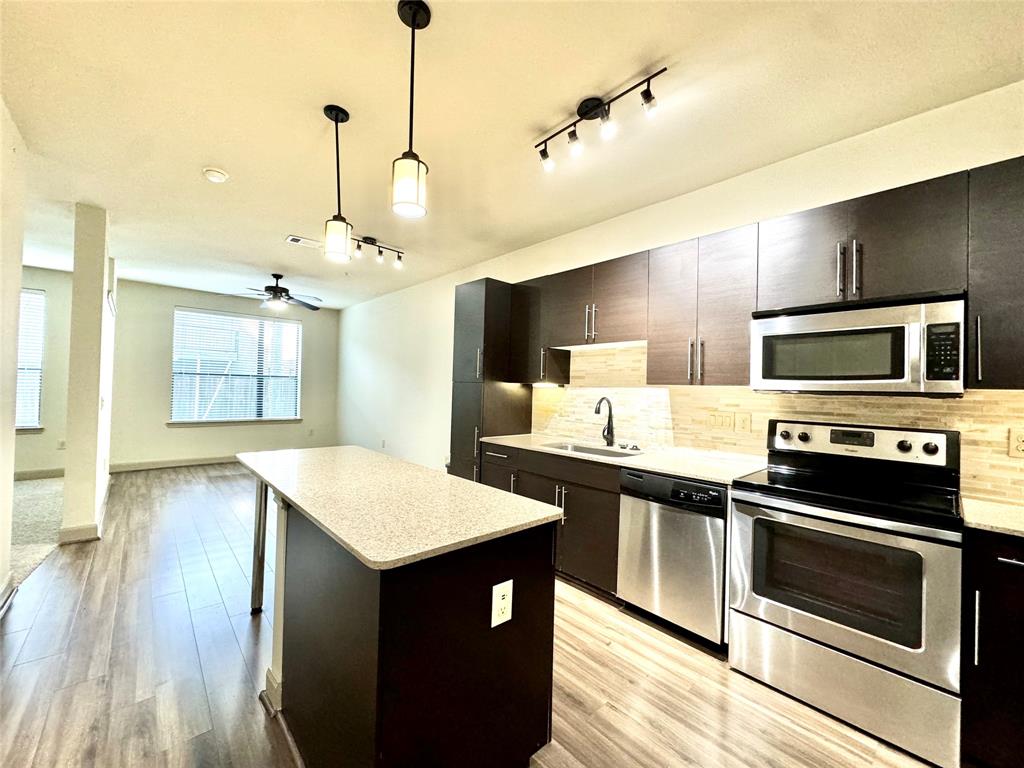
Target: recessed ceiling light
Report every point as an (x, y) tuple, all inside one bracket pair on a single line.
[(215, 175)]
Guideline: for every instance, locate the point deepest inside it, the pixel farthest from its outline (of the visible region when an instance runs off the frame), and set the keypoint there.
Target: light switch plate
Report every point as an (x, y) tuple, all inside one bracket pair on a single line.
[(501, 603), (1016, 449)]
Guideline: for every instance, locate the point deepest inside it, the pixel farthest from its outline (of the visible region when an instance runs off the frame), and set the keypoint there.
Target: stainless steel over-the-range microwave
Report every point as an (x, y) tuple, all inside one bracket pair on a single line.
[(902, 349)]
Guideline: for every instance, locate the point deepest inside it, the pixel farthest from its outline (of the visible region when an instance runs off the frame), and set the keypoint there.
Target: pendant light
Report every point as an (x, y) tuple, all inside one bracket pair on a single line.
[(337, 230), (408, 172)]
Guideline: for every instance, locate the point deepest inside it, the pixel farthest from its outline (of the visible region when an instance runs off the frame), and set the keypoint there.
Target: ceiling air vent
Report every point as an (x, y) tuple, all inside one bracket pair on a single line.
[(303, 241)]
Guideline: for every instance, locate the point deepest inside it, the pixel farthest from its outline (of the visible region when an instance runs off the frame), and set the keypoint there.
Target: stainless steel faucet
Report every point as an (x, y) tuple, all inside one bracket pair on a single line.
[(608, 433)]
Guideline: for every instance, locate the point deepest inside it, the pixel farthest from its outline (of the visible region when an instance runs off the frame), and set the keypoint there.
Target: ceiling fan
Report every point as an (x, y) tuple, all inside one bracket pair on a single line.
[(276, 296)]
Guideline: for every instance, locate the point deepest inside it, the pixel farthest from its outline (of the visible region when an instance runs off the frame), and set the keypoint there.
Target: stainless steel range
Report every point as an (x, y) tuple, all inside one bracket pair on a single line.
[(845, 578)]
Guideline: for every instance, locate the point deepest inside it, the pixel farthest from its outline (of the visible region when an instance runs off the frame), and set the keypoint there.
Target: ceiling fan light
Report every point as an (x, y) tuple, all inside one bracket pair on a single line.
[(409, 186), (337, 236)]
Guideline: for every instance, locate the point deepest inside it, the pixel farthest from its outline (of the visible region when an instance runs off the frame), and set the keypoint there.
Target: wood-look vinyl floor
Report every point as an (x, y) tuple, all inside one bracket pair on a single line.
[(138, 650)]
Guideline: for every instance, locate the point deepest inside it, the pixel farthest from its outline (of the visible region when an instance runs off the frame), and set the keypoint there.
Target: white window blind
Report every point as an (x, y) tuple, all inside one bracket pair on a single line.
[(31, 333), (234, 367)]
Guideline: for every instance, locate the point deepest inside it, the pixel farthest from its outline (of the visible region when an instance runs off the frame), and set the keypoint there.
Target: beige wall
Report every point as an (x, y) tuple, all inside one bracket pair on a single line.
[(41, 450), (12, 226), (396, 350), (142, 382)]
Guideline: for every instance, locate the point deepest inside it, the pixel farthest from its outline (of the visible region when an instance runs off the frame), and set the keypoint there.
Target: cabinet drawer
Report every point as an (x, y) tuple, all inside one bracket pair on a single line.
[(604, 477), (499, 454)]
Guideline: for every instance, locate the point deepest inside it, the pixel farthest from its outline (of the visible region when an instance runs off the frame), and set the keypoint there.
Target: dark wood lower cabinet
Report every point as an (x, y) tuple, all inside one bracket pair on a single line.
[(588, 547), (992, 681), (497, 476)]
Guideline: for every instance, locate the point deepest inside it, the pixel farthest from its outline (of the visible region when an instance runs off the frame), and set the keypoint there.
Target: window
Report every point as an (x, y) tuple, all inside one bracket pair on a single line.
[(234, 367), (31, 332)]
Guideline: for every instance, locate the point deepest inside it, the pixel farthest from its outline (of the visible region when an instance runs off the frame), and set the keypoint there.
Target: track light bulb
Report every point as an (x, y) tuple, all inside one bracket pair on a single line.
[(545, 159), (575, 145), (359, 250), (380, 255), (608, 126), (398, 261), (650, 103)]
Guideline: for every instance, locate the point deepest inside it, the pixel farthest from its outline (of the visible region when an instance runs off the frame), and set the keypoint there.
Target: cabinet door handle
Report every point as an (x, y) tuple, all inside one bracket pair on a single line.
[(543, 354), (856, 268), (479, 363), (840, 252), (564, 491), (475, 471), (593, 323), (977, 623), (700, 360), (476, 442), (977, 343), (1010, 561), (689, 360), (586, 323), (512, 483), (558, 494), (494, 453)]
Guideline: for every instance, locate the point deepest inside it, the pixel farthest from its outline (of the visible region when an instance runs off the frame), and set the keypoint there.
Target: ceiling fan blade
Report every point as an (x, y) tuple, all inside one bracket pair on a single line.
[(306, 296), (301, 303)]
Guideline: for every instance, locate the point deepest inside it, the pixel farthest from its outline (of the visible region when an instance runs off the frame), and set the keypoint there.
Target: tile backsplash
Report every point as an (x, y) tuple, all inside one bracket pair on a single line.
[(706, 417)]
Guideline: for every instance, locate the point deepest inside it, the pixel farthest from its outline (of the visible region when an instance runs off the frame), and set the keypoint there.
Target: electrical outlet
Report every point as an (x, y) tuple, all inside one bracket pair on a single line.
[(383, 444), (62, 445), (742, 422), (1016, 442), (501, 603)]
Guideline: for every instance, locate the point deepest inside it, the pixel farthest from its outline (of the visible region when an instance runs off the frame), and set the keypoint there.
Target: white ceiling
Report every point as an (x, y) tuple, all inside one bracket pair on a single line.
[(122, 104)]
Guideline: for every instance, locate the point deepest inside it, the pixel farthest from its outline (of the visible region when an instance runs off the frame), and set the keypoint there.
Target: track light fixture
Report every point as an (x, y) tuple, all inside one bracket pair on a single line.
[(337, 230), (398, 261), (575, 145), (370, 243), (545, 159), (408, 172), (594, 108)]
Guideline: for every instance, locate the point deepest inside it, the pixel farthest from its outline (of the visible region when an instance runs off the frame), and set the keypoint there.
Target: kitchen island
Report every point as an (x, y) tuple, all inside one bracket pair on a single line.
[(392, 645)]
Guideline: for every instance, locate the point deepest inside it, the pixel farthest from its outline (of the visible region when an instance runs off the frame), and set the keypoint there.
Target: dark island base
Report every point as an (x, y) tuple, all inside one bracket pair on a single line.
[(402, 668)]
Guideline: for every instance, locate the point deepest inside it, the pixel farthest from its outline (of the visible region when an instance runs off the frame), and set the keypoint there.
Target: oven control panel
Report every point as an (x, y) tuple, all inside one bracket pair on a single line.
[(891, 444)]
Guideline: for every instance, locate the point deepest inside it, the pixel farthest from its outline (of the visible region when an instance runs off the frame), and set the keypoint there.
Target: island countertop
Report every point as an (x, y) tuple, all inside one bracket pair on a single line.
[(389, 512)]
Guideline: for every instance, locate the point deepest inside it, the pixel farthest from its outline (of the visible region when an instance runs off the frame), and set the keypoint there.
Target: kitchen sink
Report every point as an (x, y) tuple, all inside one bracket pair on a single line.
[(593, 450)]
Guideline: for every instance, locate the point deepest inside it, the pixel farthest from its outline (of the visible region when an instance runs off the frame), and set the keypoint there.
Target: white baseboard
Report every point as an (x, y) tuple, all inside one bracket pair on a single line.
[(128, 466), (78, 533), (7, 590), (273, 689), (39, 474)]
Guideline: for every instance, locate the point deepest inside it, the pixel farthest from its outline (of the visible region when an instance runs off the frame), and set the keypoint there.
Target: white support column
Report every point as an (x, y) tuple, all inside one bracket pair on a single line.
[(90, 378)]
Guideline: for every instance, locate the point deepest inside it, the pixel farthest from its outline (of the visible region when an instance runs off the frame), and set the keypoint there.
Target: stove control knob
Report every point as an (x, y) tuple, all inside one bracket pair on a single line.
[(904, 446), (803, 437), (786, 434), (930, 448)]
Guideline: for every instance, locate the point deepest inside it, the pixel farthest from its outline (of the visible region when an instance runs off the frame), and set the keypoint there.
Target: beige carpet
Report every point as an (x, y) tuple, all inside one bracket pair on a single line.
[(37, 512)]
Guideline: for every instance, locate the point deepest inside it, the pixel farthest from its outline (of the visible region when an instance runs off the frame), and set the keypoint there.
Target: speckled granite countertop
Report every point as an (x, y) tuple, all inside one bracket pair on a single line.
[(994, 516), (389, 512), (711, 466)]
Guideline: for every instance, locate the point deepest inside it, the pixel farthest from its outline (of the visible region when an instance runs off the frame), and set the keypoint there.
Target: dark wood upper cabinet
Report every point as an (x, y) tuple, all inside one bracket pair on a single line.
[(909, 240), (532, 360), (727, 289), (996, 276), (992, 679), (564, 298), (482, 330), (801, 258), (672, 313), (619, 301)]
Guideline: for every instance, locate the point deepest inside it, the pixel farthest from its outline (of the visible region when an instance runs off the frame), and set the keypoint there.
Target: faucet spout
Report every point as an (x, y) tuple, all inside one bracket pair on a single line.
[(608, 433)]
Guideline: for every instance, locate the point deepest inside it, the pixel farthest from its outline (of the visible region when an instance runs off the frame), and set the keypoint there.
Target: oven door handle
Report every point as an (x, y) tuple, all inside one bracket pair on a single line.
[(766, 504)]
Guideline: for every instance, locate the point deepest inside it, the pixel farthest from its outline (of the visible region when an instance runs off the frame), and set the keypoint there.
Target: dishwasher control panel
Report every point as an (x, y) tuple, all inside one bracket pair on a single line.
[(692, 494)]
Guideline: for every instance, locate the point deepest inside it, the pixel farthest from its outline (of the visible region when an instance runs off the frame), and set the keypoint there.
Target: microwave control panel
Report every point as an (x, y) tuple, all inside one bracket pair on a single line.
[(942, 352)]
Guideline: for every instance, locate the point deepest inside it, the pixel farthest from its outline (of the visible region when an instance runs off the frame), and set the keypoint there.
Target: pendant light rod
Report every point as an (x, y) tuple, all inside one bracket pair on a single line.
[(412, 75), (337, 115), (592, 107), (415, 14)]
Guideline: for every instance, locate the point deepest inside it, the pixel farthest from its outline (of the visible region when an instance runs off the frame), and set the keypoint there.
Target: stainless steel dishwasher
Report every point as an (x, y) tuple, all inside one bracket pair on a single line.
[(672, 549)]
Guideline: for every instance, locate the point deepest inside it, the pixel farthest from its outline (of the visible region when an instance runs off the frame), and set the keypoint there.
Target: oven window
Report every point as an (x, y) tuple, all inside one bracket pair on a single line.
[(870, 587), (864, 353)]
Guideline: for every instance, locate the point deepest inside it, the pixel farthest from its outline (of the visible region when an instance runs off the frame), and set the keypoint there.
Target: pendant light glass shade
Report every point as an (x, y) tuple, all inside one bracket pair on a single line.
[(337, 239), (409, 186)]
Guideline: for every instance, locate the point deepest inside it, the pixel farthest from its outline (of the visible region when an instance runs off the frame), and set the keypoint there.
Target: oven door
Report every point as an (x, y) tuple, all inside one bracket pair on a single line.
[(883, 596), (881, 349)]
